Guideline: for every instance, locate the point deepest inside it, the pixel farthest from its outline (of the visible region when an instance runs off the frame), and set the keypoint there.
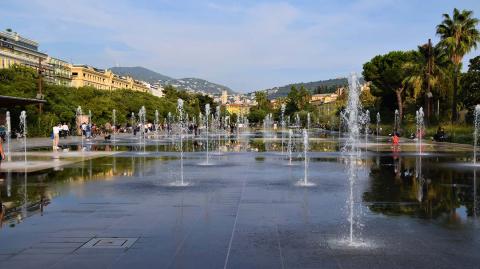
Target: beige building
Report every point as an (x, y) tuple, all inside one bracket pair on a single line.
[(83, 75), (224, 97), (61, 73), (15, 49), (18, 50), (239, 109)]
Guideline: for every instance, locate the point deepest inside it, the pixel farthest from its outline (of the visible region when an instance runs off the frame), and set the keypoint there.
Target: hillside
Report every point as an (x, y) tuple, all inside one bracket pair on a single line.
[(189, 84), (197, 84), (321, 86), (140, 73)]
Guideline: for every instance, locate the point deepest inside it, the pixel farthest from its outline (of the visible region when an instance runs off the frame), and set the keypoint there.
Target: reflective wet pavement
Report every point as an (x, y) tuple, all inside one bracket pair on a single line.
[(246, 210)]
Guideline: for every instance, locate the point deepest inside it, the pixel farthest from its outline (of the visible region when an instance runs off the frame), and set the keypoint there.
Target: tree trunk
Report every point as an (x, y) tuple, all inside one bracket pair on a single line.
[(455, 90), (398, 92)]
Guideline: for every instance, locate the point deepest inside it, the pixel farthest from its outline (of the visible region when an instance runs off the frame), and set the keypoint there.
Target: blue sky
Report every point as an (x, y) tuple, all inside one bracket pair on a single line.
[(246, 45)]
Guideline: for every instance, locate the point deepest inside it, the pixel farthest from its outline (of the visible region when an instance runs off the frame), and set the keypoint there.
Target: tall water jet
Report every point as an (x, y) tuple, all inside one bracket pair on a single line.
[(305, 157), (219, 127), (169, 122), (78, 121), (282, 119), (207, 116), (297, 120), (420, 124), (156, 123), (114, 127), (290, 146), (23, 129), (396, 122), (476, 123), (378, 124), (132, 121), (141, 119), (181, 128), (366, 122), (8, 133), (90, 122), (351, 149)]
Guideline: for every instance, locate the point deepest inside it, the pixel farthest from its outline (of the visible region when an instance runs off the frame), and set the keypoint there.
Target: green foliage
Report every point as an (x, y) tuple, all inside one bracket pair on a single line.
[(298, 100), (256, 114), (263, 107), (470, 84), (62, 102), (458, 36), (262, 101), (388, 75)]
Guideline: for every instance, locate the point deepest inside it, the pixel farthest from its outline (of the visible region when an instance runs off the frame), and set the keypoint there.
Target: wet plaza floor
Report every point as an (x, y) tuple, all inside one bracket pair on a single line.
[(244, 210)]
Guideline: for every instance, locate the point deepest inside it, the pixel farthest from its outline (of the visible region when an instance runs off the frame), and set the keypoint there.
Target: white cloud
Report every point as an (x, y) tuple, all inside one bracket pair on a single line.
[(245, 46)]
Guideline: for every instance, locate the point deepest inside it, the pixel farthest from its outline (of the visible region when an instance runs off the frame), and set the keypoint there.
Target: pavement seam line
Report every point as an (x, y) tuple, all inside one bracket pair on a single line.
[(234, 226)]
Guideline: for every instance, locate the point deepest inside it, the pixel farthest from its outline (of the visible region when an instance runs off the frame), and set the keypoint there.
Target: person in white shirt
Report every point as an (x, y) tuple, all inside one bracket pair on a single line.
[(56, 135), (84, 129), (65, 130)]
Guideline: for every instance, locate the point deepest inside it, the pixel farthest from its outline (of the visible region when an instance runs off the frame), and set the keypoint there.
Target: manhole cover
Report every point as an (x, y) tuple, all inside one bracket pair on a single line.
[(110, 242)]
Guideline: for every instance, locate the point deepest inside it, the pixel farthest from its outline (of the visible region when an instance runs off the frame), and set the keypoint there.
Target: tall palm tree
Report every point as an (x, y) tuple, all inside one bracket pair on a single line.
[(458, 36), (425, 71)]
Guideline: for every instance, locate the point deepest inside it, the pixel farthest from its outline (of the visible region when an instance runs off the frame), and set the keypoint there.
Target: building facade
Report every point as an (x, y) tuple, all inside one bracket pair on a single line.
[(239, 109), (61, 72), (87, 76), (224, 97), (18, 50), (15, 49)]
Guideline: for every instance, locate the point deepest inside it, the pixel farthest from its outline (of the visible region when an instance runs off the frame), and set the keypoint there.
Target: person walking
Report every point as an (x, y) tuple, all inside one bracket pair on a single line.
[(84, 129), (65, 130), (2, 153), (56, 135)]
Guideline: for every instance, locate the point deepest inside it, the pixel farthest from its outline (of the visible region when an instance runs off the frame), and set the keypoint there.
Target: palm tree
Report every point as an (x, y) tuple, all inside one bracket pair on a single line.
[(458, 36), (425, 72)]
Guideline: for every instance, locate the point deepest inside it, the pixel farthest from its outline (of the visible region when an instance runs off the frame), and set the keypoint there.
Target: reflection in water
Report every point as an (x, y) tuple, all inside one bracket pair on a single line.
[(399, 184), (25, 194), (419, 187)]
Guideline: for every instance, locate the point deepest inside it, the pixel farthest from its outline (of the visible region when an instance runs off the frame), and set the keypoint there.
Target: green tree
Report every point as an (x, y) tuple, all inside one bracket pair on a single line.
[(425, 72), (62, 102), (292, 104), (388, 74), (470, 84), (458, 36), (262, 101)]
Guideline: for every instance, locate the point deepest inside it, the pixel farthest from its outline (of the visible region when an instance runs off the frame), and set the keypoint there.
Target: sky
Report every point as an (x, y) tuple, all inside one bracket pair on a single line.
[(245, 45)]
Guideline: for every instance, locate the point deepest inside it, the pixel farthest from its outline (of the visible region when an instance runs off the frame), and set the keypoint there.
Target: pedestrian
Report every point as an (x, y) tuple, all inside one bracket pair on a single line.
[(88, 131), (2, 153), (395, 139), (65, 130), (56, 135), (84, 129)]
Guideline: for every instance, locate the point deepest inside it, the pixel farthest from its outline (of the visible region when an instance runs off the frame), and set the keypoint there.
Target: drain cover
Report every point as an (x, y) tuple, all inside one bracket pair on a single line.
[(110, 242)]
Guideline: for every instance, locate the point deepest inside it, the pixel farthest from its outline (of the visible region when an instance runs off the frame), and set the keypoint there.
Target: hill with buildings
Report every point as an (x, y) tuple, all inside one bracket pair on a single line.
[(188, 84), (321, 86), (140, 73)]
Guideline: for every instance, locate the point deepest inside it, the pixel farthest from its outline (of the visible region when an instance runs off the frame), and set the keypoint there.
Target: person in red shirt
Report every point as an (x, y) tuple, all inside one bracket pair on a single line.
[(395, 139)]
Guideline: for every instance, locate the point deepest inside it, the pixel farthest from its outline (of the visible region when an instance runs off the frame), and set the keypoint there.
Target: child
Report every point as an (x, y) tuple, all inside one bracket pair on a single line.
[(395, 139)]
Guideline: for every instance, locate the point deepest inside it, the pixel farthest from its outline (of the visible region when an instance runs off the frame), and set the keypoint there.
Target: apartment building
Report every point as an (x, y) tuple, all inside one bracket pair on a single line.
[(84, 75)]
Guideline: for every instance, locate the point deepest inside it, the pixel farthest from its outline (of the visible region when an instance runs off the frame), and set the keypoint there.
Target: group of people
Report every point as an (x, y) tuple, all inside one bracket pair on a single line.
[(440, 136)]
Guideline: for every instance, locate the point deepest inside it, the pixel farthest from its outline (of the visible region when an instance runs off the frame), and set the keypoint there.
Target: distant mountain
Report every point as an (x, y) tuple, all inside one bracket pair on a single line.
[(140, 73), (198, 85), (189, 84), (321, 86)]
